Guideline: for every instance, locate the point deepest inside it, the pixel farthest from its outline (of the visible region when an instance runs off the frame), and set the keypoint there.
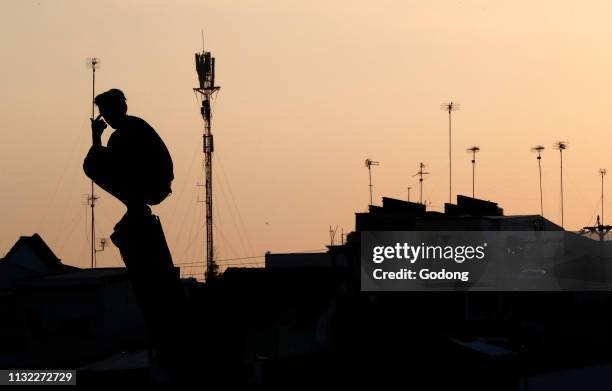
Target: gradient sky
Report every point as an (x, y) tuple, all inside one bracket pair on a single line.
[(310, 89)]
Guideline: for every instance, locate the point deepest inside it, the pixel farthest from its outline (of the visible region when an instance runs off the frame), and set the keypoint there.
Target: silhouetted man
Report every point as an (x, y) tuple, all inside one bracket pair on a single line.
[(136, 168)]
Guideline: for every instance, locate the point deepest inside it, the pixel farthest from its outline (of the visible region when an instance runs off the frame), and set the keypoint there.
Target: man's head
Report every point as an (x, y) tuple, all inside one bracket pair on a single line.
[(112, 106)]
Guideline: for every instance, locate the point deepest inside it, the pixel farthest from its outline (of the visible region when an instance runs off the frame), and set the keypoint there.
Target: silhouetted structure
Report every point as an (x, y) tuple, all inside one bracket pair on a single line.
[(450, 107), (473, 151), (420, 174), (93, 63), (29, 257), (539, 149), (205, 67), (369, 163), (561, 146)]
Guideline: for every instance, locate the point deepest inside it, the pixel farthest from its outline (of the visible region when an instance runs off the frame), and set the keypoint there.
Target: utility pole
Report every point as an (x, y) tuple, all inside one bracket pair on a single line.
[(450, 107), (369, 163), (420, 174), (205, 67), (473, 150)]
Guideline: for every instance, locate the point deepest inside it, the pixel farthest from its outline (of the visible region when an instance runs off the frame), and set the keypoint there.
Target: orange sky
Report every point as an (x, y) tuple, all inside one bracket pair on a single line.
[(309, 90)]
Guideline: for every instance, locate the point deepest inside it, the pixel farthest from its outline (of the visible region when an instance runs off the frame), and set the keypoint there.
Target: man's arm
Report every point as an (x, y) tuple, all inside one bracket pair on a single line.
[(97, 157), (97, 128)]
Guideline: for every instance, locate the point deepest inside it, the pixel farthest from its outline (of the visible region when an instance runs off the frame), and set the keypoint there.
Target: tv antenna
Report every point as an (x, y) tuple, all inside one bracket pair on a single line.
[(561, 146), (420, 174), (450, 107), (369, 163), (600, 229), (538, 149), (205, 68), (474, 149), (93, 63), (332, 234)]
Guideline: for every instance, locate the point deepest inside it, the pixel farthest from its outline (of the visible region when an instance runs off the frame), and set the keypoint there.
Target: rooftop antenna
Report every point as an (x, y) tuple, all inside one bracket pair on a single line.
[(409, 192), (102, 242), (332, 234), (539, 149), (420, 174), (602, 172), (450, 107), (205, 67), (600, 229), (369, 163), (561, 146), (93, 63), (474, 149)]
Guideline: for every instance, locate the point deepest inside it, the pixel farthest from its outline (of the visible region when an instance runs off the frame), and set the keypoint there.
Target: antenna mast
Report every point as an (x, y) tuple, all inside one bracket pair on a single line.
[(369, 163), (93, 63), (539, 149), (205, 67), (473, 150), (420, 174), (450, 107), (602, 172), (599, 228), (561, 146)]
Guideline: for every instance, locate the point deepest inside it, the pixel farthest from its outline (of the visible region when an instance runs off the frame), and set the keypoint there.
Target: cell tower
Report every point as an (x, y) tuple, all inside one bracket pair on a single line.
[(205, 67), (450, 107), (473, 150), (93, 63), (420, 174), (539, 149), (369, 163), (561, 146)]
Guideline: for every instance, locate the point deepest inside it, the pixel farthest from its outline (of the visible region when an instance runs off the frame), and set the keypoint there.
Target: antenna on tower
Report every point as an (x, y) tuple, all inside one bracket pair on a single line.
[(93, 63), (450, 107), (369, 163), (473, 150), (561, 146), (420, 174), (205, 68)]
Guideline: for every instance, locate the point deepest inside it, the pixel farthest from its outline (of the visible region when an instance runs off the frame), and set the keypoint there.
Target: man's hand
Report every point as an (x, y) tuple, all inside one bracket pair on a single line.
[(97, 128), (98, 125)]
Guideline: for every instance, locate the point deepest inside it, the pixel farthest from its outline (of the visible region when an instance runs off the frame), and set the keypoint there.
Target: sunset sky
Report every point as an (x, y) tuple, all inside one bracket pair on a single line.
[(309, 90)]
